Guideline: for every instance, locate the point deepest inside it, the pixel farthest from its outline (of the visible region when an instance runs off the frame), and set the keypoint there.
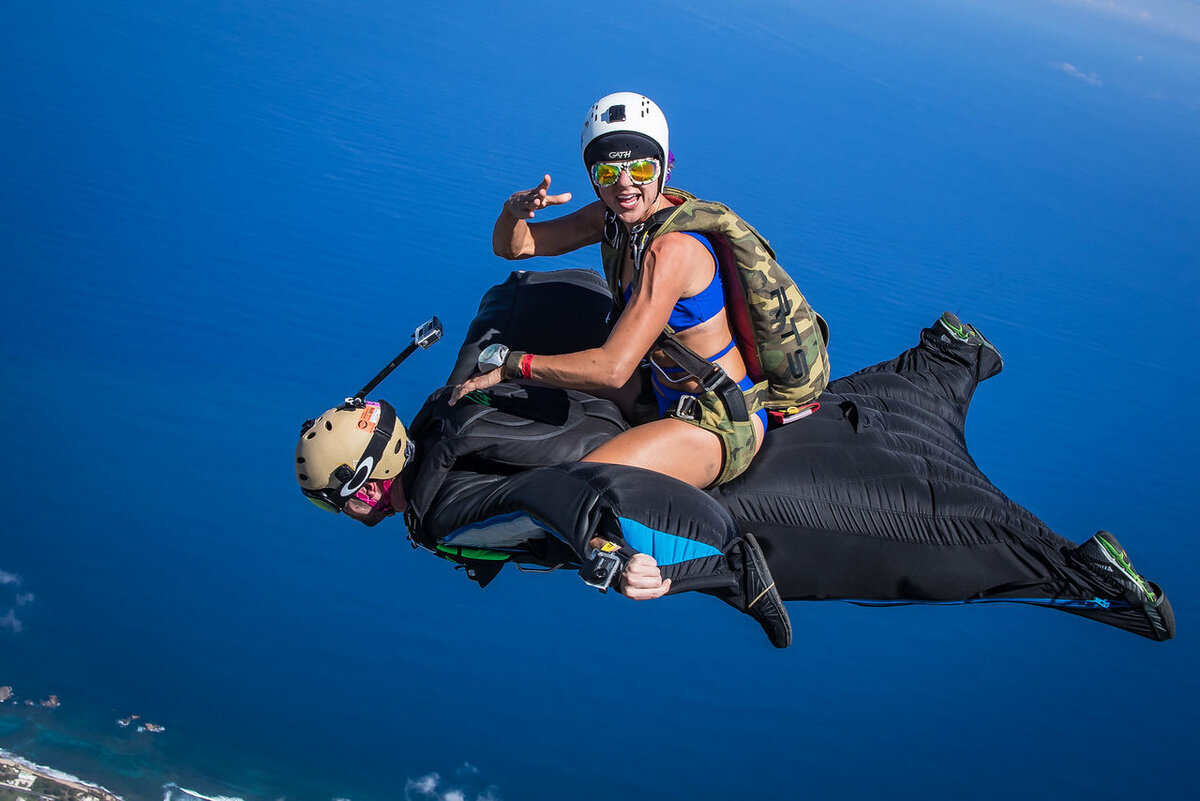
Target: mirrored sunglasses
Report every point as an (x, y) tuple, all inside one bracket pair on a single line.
[(641, 171)]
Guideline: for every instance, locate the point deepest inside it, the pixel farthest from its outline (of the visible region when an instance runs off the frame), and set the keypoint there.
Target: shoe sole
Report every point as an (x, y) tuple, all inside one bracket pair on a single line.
[(752, 552), (1154, 604), (1161, 616)]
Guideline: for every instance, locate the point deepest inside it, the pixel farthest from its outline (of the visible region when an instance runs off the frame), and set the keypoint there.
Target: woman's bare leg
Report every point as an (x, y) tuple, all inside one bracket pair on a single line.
[(672, 447)]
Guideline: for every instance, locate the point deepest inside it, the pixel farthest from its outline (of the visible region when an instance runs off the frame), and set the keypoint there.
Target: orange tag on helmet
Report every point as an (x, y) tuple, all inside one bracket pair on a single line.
[(369, 417)]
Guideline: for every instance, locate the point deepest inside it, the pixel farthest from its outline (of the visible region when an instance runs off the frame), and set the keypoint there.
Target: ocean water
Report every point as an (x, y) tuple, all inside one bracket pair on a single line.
[(217, 220)]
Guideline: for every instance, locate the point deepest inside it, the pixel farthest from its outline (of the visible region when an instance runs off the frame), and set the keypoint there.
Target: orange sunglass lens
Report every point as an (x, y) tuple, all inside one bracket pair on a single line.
[(642, 172)]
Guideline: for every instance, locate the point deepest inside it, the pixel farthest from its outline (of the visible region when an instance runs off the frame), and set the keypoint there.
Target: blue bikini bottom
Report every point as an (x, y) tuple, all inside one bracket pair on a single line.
[(667, 397)]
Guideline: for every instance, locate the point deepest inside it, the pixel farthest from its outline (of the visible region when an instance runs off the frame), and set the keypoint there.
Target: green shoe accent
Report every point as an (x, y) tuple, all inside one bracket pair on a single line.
[(955, 326), (1122, 561)]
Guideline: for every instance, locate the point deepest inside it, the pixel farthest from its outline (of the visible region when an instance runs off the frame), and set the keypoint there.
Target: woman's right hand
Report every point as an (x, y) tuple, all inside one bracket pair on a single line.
[(478, 381), (523, 205)]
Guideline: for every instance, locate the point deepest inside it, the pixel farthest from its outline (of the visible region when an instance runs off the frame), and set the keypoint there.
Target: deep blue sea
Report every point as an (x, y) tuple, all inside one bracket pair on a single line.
[(220, 218)]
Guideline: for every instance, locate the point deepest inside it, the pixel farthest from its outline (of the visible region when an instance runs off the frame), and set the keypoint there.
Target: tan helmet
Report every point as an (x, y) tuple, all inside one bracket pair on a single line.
[(346, 447)]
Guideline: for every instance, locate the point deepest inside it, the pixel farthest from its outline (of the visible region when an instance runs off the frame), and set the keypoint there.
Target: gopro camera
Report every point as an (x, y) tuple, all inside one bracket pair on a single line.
[(601, 570), (428, 333)]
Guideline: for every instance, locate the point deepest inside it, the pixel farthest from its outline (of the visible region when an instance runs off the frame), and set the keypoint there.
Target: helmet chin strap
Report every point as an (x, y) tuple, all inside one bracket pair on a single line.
[(374, 450)]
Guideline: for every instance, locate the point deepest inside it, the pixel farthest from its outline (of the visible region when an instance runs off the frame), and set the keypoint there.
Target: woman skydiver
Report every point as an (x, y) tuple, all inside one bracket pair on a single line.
[(676, 283)]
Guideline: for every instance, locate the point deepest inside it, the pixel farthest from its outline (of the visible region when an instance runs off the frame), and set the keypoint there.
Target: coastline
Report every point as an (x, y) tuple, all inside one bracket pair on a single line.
[(22, 779), (71, 788), (100, 752)]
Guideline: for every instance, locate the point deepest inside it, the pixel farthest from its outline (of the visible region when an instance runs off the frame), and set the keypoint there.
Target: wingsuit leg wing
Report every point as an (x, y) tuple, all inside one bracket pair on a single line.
[(875, 499)]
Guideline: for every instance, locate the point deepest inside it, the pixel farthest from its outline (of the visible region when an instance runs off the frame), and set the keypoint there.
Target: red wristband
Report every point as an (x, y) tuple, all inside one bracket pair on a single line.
[(527, 366)]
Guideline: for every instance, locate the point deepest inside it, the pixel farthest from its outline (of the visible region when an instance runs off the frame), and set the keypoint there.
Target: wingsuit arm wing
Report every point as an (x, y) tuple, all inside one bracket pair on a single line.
[(689, 537)]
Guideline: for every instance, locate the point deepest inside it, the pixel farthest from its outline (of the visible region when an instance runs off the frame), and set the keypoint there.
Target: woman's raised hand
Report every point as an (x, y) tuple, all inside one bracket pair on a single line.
[(523, 205)]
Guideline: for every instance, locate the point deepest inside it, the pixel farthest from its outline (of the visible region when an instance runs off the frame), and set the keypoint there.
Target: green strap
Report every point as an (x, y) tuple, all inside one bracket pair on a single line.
[(482, 554)]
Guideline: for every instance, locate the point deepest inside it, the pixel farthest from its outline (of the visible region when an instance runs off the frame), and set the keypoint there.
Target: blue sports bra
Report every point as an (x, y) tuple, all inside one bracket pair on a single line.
[(691, 312), (701, 307)]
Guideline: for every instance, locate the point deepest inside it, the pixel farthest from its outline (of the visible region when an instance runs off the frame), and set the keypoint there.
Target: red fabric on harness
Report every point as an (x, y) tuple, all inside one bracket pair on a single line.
[(736, 311)]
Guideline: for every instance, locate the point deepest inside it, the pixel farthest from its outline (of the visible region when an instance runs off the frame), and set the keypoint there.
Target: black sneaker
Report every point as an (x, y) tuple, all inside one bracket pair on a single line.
[(763, 601), (1104, 557), (963, 332)]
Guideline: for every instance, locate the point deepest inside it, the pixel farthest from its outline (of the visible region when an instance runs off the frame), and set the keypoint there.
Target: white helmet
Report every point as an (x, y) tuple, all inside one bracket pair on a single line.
[(626, 125)]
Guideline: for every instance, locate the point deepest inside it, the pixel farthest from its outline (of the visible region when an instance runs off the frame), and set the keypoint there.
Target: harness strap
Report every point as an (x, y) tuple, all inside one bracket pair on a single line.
[(373, 453), (712, 378)]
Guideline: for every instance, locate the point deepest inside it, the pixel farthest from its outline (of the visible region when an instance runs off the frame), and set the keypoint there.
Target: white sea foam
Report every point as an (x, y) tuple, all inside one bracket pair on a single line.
[(51, 772), (173, 792), (430, 786), (9, 620), (426, 785)]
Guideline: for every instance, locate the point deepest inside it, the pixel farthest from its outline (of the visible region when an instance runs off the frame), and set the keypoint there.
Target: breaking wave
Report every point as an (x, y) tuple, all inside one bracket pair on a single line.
[(12, 598), (466, 785), (173, 792)]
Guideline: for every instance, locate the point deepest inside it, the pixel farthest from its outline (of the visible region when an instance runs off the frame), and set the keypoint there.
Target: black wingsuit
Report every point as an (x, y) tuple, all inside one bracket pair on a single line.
[(874, 498)]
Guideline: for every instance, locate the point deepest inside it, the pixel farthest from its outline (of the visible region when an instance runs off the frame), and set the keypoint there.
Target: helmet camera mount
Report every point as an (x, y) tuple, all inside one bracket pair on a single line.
[(424, 337)]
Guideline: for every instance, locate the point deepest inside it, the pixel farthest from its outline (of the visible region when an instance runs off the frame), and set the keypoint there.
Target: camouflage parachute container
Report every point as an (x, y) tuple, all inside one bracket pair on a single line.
[(781, 339)]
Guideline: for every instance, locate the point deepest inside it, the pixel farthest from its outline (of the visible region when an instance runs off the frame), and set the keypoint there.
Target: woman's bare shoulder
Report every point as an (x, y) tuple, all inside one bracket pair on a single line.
[(683, 256)]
